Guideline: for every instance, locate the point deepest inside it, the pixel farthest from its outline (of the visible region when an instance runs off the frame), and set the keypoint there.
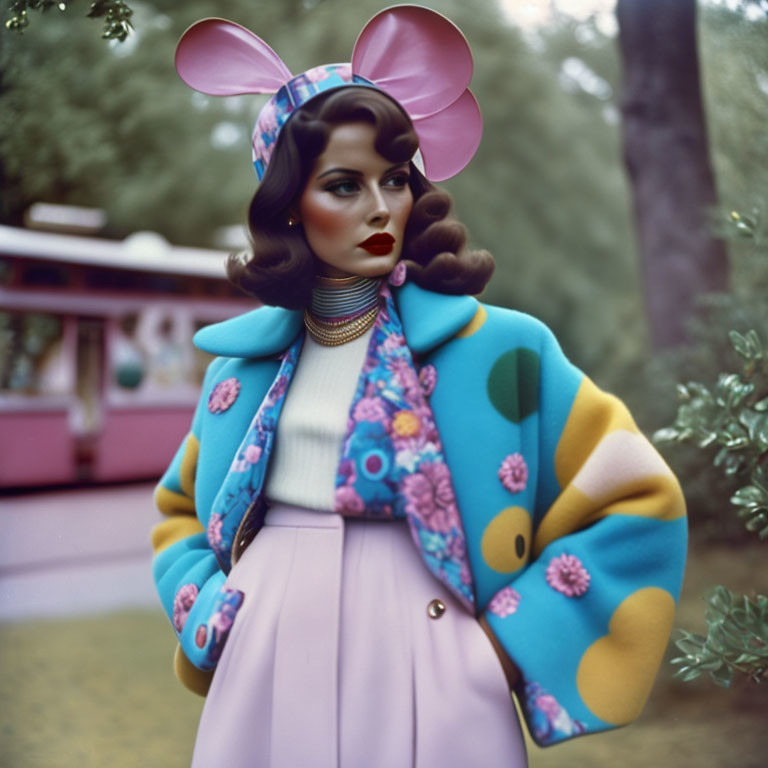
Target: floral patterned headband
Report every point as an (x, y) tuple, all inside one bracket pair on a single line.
[(416, 56)]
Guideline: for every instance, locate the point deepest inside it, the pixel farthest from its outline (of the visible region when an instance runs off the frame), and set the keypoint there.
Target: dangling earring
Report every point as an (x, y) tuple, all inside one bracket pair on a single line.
[(397, 275), (292, 222)]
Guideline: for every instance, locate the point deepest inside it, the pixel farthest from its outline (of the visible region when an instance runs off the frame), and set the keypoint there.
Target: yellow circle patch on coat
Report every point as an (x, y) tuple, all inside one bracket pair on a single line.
[(475, 324), (506, 541), (617, 671)]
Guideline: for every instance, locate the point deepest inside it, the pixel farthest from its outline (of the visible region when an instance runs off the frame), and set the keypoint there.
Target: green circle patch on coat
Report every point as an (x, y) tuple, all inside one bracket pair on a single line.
[(513, 384)]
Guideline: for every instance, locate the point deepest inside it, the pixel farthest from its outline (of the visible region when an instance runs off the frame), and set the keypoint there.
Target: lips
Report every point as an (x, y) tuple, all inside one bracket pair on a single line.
[(378, 245)]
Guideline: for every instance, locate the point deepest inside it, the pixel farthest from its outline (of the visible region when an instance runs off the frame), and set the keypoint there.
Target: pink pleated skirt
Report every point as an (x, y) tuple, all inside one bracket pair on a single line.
[(335, 662)]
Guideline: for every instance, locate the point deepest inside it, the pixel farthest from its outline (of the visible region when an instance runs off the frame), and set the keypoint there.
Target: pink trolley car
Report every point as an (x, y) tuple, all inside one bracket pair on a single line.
[(98, 375)]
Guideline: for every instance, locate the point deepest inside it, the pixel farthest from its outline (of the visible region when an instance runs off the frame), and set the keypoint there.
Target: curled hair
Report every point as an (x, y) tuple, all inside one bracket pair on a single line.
[(281, 267)]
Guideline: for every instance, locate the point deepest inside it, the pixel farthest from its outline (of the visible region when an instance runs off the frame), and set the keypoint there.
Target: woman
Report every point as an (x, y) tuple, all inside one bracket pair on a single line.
[(445, 507)]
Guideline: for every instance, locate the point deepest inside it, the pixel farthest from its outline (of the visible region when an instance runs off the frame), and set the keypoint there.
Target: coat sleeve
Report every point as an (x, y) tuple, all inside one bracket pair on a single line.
[(588, 620), (189, 580)]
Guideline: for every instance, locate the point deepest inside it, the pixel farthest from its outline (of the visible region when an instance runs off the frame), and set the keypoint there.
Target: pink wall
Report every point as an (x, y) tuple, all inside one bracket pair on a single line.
[(36, 448), (138, 442)]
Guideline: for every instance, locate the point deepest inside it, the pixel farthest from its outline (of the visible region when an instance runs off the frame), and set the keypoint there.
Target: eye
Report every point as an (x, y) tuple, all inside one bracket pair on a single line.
[(343, 187), (397, 180)]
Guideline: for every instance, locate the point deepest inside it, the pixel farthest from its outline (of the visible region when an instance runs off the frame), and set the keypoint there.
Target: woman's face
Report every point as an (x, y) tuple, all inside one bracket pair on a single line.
[(355, 206)]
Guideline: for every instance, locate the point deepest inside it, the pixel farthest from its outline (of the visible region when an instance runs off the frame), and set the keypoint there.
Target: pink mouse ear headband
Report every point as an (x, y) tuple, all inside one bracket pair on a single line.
[(417, 57)]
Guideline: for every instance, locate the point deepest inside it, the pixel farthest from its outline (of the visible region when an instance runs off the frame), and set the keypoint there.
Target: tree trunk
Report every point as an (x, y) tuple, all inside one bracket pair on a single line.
[(667, 158)]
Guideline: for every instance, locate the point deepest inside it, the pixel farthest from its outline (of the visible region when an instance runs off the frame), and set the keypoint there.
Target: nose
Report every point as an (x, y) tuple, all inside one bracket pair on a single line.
[(378, 213)]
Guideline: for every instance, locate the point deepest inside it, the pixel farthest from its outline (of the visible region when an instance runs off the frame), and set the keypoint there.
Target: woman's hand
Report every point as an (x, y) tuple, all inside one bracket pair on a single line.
[(511, 672)]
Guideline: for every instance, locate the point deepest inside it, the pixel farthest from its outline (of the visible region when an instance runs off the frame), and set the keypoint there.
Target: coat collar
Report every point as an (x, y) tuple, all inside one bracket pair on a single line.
[(428, 319), (264, 332)]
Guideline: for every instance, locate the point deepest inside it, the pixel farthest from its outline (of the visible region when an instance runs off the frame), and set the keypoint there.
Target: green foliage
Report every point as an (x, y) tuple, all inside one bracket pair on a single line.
[(734, 416), (117, 18), (737, 227), (736, 641), (734, 52), (726, 424), (708, 351), (116, 128), (731, 416), (25, 338), (753, 7), (116, 15)]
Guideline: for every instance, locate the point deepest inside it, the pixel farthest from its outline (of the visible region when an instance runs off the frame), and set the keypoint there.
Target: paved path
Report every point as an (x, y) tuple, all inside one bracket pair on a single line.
[(76, 551)]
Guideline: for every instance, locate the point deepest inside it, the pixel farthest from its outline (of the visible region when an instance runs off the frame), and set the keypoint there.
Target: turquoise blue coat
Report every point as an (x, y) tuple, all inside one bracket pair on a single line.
[(574, 526)]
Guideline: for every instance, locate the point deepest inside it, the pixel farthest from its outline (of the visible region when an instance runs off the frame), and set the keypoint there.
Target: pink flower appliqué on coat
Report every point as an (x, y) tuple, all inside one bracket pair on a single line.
[(513, 473), (182, 605), (428, 379), (568, 575), (397, 275), (504, 602), (429, 497), (223, 395), (252, 454)]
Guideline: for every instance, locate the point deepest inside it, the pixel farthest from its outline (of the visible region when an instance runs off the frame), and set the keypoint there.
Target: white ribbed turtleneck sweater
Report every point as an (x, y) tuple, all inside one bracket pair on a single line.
[(313, 424)]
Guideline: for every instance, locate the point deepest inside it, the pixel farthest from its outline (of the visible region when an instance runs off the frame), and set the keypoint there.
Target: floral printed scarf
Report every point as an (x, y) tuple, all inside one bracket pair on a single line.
[(392, 461)]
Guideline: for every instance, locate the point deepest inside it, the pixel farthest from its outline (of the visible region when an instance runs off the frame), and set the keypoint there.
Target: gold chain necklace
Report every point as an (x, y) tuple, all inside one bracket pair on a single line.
[(331, 333)]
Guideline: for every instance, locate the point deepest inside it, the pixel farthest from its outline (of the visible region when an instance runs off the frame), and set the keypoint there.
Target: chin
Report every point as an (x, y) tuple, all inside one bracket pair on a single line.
[(378, 266), (371, 266), (375, 271)]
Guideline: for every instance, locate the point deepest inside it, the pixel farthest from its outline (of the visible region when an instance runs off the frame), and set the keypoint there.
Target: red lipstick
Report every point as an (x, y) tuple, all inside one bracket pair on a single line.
[(379, 244)]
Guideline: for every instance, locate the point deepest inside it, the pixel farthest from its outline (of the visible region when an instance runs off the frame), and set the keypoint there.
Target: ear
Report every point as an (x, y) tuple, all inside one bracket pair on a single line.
[(422, 59), (221, 58), (417, 56)]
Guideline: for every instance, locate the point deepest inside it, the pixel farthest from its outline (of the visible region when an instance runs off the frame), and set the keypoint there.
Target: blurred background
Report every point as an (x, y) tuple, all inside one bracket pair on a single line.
[(621, 186)]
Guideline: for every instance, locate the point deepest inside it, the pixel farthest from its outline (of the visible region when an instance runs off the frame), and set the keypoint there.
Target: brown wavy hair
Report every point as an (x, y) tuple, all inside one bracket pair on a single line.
[(280, 267)]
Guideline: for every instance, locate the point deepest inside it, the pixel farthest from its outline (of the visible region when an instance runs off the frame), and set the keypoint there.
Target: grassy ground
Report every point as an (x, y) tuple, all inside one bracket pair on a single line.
[(93, 692), (100, 692)]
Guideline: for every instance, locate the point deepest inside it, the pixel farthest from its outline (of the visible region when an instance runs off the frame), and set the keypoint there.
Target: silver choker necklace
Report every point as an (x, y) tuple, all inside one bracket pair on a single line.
[(342, 309)]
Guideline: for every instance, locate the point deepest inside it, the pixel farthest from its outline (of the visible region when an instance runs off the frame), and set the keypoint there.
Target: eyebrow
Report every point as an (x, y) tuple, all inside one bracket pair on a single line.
[(347, 171), (352, 172)]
